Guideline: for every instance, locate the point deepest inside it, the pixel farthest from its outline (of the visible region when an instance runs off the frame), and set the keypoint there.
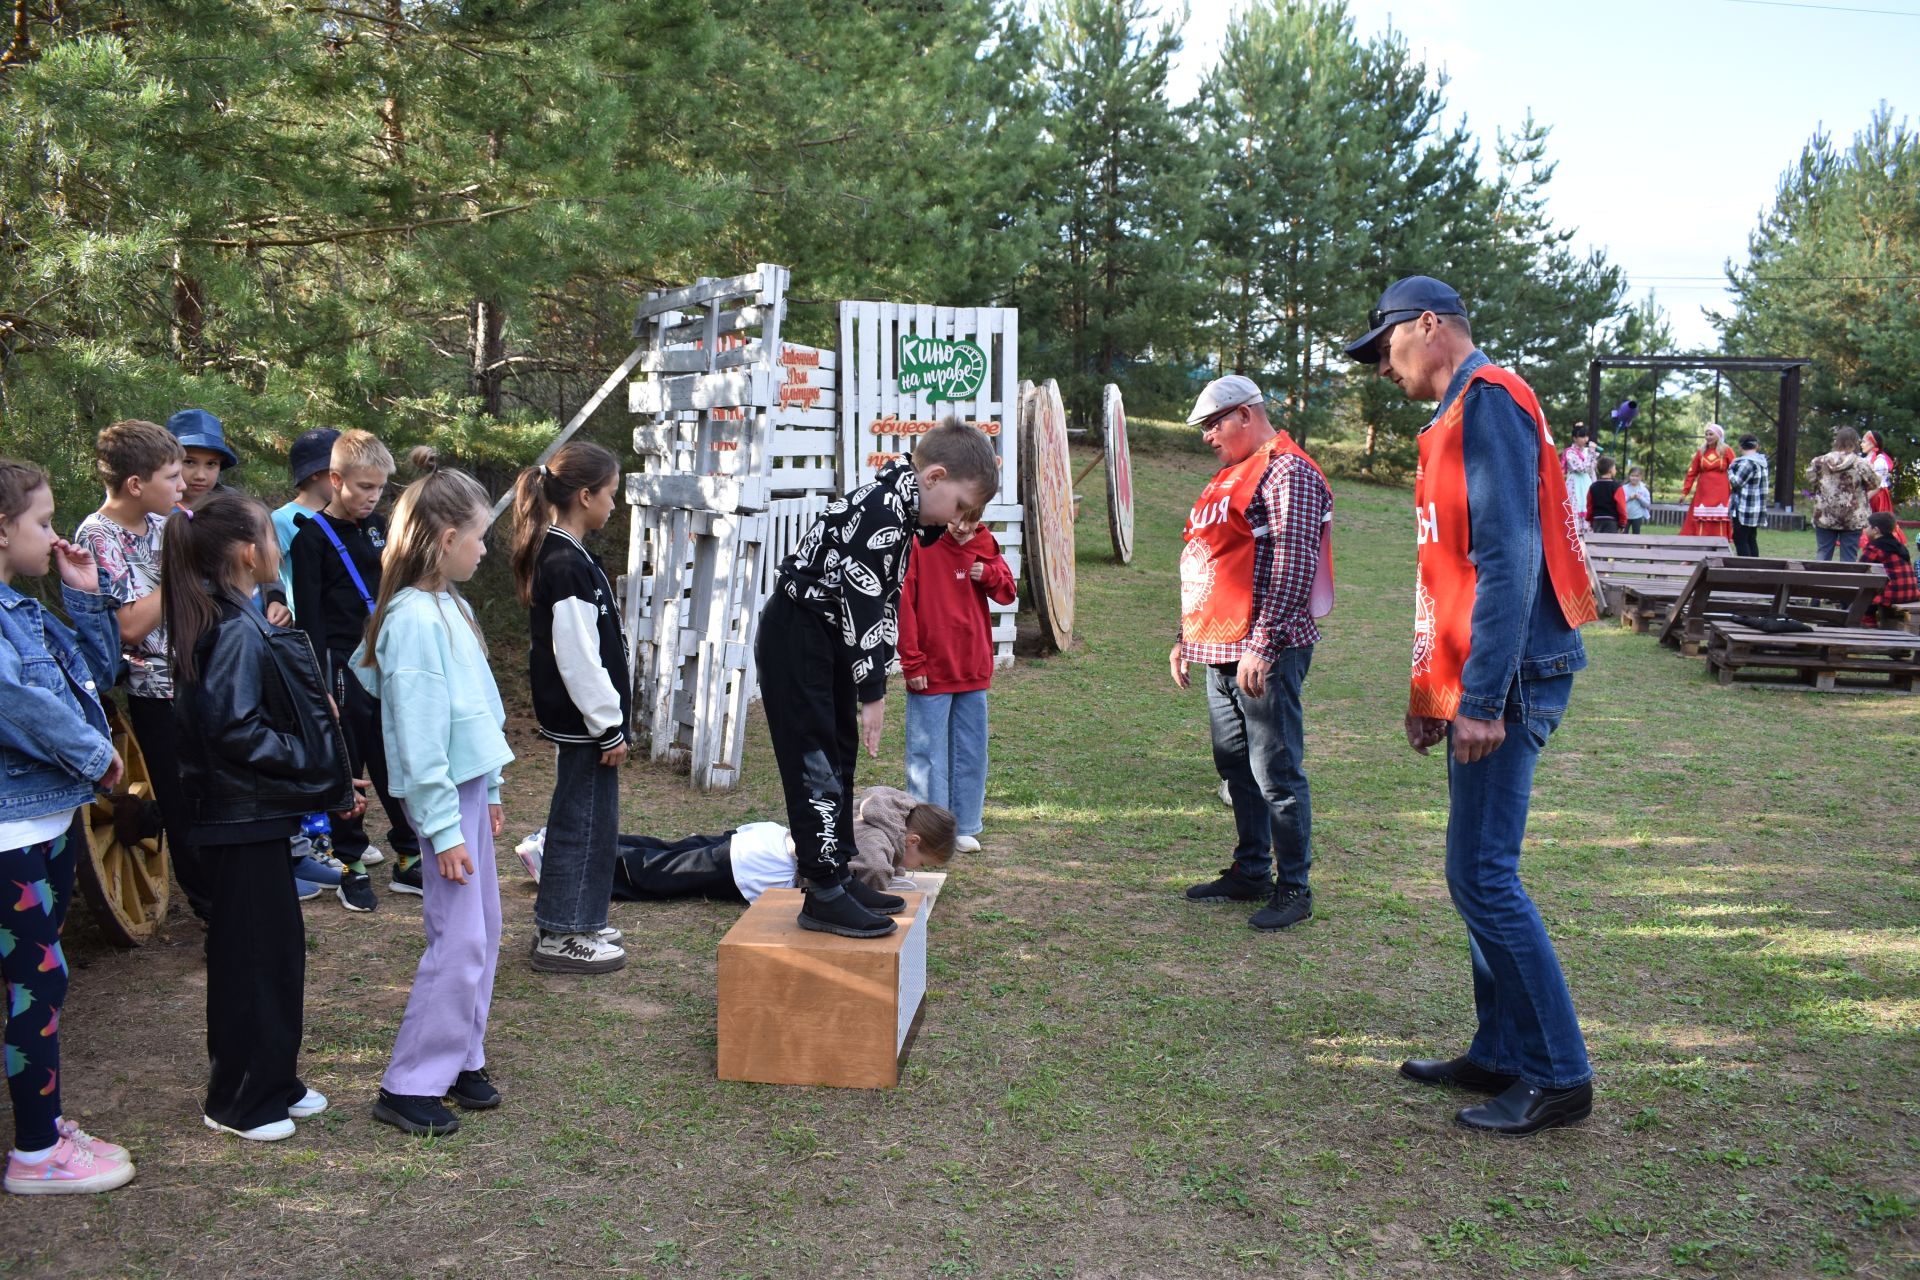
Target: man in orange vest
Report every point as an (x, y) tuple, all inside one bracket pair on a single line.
[(1257, 570), (1499, 595)]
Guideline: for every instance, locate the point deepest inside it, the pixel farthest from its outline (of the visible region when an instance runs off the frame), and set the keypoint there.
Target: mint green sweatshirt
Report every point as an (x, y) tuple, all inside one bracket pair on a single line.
[(440, 712)]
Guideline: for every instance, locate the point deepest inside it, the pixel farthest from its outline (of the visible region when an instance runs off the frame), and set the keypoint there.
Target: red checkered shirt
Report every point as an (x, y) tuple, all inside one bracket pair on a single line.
[(1288, 514), (1903, 585)]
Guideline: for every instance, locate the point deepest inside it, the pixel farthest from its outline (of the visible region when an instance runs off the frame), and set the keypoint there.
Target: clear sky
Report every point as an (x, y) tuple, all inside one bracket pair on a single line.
[(1672, 119)]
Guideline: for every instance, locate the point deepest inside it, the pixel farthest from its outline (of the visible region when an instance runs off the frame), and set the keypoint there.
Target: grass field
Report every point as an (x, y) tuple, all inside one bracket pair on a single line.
[(1111, 1082)]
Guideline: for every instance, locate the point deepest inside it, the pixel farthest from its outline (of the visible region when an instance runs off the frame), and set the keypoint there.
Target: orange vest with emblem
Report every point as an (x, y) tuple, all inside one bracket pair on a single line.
[(1445, 582), (1216, 568)]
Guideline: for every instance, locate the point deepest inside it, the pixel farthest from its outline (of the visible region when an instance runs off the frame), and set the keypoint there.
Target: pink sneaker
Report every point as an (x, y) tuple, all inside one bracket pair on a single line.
[(72, 1131), (70, 1170)]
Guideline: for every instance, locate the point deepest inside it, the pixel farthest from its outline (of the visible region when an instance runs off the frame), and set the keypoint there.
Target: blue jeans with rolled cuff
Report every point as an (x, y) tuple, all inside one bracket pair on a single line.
[(947, 754), (1527, 1025), (1259, 751)]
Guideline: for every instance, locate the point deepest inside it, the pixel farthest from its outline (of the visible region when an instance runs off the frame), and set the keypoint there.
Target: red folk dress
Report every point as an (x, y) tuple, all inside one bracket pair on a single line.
[(1707, 514)]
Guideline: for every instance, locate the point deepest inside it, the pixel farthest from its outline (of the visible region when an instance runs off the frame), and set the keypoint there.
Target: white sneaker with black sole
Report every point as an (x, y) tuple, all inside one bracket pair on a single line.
[(576, 953)]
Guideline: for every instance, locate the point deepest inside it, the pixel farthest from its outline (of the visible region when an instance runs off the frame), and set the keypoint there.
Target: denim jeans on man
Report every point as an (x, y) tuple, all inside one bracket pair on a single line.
[(947, 754), (583, 843), (1527, 1023), (1846, 541), (1258, 749)]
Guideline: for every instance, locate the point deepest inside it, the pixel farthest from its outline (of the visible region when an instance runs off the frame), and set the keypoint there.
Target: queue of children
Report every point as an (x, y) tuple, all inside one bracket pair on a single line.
[(254, 731)]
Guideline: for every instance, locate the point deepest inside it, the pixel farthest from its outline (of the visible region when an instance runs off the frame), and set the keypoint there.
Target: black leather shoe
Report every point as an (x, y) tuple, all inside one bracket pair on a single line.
[(876, 900), (1527, 1108), (1458, 1072)]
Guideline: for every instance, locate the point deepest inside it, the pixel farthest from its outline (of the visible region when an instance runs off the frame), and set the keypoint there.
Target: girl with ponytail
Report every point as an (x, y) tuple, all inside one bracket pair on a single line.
[(442, 723), (260, 748), (582, 697)]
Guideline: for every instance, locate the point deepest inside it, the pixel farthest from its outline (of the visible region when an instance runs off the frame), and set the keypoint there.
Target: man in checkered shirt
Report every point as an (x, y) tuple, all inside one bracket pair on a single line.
[(1747, 501), (1256, 572)]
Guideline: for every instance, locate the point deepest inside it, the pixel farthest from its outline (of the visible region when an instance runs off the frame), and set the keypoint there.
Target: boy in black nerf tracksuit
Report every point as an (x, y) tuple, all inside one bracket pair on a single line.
[(826, 638)]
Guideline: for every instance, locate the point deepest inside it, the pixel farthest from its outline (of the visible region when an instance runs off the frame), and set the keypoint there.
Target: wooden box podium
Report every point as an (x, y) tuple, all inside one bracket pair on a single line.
[(798, 1007)]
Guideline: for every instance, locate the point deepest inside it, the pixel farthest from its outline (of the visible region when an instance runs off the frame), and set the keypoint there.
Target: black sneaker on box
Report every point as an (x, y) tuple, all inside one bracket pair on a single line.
[(843, 915)]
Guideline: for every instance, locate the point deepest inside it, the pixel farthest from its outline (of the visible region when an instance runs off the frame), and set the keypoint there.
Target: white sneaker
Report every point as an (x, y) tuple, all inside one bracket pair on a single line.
[(372, 857), (613, 935), (576, 953), (965, 844), (308, 1107), (1226, 794), (531, 850), (271, 1132)]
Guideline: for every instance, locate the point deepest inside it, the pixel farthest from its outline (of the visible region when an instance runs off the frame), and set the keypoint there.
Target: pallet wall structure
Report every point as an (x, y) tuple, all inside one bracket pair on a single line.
[(878, 424)]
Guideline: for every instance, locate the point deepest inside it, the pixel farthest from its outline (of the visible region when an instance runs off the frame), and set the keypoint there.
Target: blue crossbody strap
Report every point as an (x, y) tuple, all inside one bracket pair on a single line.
[(353, 572)]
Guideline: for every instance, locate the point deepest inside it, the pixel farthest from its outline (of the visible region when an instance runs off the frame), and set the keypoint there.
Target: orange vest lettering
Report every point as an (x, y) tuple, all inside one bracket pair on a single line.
[(1446, 579), (1216, 567)]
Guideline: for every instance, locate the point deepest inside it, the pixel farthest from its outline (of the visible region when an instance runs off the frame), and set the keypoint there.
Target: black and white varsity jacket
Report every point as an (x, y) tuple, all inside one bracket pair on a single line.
[(850, 565), (579, 662)]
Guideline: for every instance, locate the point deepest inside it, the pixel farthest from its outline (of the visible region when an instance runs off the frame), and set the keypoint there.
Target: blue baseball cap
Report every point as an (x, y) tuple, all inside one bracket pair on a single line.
[(1404, 300), (198, 429)]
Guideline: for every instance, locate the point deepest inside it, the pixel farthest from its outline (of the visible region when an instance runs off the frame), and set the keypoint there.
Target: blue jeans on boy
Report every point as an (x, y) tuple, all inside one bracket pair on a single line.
[(947, 754), (1527, 1023), (1845, 541), (1259, 750)]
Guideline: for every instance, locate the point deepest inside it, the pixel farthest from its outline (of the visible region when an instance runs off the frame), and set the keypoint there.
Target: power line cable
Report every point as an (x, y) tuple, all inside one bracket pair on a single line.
[(1829, 8)]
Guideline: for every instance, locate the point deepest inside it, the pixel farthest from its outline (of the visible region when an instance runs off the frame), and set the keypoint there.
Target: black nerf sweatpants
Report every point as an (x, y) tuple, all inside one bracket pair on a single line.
[(813, 716)]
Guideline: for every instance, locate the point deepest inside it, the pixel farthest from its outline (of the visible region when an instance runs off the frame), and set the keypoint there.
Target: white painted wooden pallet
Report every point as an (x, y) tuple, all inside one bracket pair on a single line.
[(877, 423)]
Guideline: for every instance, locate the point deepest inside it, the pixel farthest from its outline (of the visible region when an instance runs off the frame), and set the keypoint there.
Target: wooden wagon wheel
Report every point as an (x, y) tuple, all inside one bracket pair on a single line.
[(1046, 484), (1113, 412), (123, 869)]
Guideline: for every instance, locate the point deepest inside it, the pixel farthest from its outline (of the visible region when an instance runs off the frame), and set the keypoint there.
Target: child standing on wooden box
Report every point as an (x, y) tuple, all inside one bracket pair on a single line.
[(946, 658), (582, 698), (260, 748), (826, 638), (425, 661), (53, 729)]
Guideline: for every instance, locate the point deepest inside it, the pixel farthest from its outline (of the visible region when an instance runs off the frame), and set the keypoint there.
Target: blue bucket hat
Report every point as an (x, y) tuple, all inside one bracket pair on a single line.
[(1404, 300), (198, 429)]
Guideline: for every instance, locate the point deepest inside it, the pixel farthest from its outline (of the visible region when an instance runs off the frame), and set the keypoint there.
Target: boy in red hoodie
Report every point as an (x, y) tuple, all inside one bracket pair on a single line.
[(946, 656)]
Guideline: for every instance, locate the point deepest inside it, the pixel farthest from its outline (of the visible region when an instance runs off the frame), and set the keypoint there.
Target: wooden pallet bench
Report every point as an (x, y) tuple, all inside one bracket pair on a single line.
[(1826, 658), (1722, 587), (1649, 562)]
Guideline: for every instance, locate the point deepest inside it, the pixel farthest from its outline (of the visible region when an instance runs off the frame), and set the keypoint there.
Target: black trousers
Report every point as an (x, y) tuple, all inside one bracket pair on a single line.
[(1606, 524), (697, 866), (813, 717), (367, 753), (256, 969), (1746, 539), (153, 728)]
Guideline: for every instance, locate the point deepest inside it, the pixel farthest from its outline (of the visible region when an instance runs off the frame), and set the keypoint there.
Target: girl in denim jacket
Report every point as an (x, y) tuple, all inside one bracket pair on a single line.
[(55, 746)]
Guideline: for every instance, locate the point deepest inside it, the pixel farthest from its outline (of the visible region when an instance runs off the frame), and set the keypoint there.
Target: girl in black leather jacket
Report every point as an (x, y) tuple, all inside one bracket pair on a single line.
[(260, 747)]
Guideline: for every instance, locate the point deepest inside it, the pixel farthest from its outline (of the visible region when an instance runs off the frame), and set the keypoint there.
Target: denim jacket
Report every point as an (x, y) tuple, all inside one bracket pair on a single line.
[(53, 731), (1519, 632)]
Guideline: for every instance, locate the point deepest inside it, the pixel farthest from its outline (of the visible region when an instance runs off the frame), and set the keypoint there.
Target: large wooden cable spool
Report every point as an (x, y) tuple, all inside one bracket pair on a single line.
[(1113, 414), (1046, 491), (123, 868)]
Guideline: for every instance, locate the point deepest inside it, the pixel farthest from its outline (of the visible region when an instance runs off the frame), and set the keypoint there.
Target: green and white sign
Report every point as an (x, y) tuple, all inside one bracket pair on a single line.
[(945, 369)]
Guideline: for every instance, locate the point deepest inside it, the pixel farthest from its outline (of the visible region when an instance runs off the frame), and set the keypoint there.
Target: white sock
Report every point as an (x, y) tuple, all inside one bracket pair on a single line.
[(32, 1157)]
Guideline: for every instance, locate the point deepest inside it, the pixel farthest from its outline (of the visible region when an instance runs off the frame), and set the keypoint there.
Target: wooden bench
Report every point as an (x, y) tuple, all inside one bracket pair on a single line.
[(1826, 658), (1658, 565), (1905, 616), (1722, 587)]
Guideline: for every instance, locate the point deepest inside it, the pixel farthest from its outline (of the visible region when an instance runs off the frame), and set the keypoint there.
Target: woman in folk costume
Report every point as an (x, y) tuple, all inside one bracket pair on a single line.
[(1578, 460), (1880, 498), (1707, 512)]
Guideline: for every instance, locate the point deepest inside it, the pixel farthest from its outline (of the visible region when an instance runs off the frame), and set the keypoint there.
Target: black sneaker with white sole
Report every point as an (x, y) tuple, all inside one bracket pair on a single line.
[(421, 1117), (843, 914), (356, 892), (407, 880)]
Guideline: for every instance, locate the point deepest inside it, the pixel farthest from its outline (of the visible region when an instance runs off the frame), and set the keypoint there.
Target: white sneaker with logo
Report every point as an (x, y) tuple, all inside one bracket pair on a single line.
[(576, 953)]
